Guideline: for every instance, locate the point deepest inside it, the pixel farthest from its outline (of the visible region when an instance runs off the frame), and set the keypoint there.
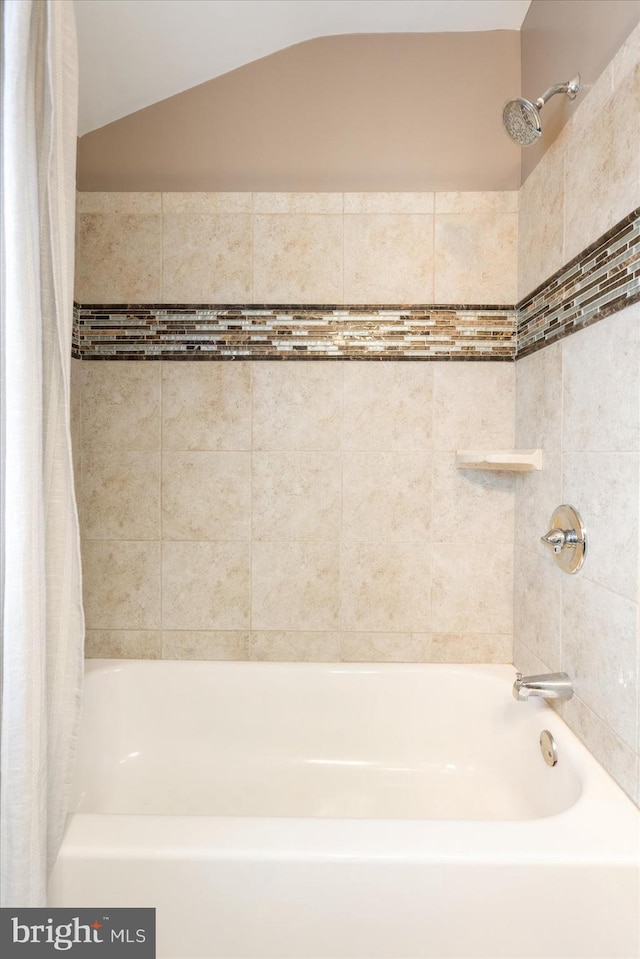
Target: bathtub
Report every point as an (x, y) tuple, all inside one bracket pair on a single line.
[(314, 811)]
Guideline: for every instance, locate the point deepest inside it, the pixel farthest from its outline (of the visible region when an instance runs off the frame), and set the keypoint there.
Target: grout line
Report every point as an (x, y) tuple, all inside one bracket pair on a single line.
[(434, 258), (561, 451), (162, 246), (160, 499), (341, 513), (343, 250), (433, 457), (251, 489), (253, 244)]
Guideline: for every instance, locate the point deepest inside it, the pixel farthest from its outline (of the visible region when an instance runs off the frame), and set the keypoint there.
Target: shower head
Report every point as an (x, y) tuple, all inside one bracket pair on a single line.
[(521, 118), (522, 121)]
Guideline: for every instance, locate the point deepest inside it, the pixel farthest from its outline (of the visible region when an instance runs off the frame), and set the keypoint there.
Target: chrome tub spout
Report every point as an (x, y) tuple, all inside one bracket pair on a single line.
[(546, 686)]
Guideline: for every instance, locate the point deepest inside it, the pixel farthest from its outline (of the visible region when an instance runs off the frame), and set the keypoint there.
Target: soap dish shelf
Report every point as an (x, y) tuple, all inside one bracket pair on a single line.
[(514, 461)]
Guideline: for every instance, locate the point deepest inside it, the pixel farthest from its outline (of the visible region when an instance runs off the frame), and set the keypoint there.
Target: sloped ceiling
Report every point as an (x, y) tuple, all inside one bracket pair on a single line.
[(136, 52)]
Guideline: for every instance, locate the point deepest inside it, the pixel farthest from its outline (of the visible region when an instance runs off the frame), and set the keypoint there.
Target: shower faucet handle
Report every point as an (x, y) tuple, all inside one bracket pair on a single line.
[(567, 538), (558, 539)]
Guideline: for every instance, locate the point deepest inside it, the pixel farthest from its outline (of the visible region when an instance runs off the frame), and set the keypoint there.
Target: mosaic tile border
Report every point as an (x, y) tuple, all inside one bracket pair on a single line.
[(602, 280), (324, 332)]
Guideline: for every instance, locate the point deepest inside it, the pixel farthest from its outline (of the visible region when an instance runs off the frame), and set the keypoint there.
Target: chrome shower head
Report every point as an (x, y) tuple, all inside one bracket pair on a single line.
[(521, 118), (522, 121)]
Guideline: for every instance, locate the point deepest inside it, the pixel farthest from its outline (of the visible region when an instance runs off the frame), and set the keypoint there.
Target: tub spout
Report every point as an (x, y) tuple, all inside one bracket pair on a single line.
[(547, 686)]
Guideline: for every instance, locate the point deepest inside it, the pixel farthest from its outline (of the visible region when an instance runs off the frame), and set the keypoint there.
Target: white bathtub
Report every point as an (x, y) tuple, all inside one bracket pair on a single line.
[(296, 811)]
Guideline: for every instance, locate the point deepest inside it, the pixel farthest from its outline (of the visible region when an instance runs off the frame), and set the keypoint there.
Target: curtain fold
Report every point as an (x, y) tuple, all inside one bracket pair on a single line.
[(40, 588)]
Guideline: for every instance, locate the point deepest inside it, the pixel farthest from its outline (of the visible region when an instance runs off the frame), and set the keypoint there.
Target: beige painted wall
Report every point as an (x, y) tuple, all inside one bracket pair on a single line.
[(400, 112), (579, 400), (561, 38)]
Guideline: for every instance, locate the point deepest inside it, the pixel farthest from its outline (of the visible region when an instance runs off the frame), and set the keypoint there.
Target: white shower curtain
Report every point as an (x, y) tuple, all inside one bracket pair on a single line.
[(42, 619)]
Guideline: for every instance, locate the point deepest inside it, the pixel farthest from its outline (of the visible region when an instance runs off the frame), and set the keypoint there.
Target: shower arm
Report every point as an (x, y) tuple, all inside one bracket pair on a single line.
[(570, 88)]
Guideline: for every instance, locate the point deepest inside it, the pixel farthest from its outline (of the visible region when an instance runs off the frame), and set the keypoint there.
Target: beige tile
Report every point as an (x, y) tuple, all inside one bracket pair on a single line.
[(386, 648), (75, 398), (537, 604), (627, 58), (387, 406), (200, 644), (496, 201), (296, 496), (388, 203), (592, 97), (611, 752), (473, 406), (385, 587), (541, 221), (206, 586), (121, 406), (601, 385), (295, 586), (75, 414), (121, 585), (471, 506), (538, 426), (207, 203), (297, 203), (536, 496), (297, 647), (118, 258), (118, 203), (120, 496), (603, 164), (297, 406), (602, 486), (472, 648), (206, 496), (388, 258), (472, 588), (206, 258), (206, 406), (527, 662), (122, 644), (476, 258), (297, 258), (599, 652), (539, 400), (386, 497)]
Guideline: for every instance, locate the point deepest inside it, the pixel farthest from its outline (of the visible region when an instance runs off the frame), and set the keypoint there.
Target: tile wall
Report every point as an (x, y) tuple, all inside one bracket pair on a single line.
[(313, 511), (448, 248), (284, 510), (579, 399), (295, 511)]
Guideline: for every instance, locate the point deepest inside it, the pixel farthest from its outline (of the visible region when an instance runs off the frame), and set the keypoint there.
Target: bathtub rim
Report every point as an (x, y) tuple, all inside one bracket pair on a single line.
[(601, 826)]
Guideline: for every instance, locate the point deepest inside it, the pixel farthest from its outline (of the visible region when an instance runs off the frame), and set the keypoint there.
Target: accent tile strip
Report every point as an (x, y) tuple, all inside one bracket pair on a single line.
[(293, 332), (601, 280)]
